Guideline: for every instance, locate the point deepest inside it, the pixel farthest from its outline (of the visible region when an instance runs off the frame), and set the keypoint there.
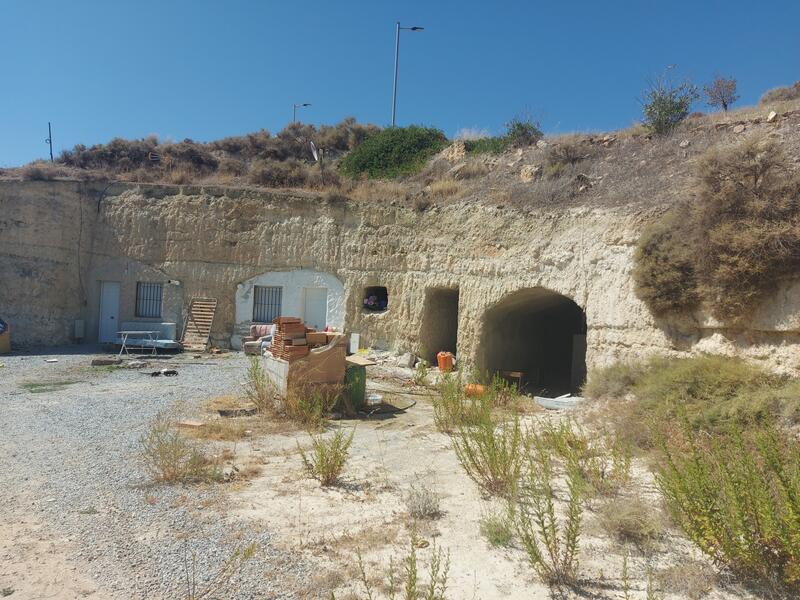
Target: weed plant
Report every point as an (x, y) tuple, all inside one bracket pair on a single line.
[(326, 460)]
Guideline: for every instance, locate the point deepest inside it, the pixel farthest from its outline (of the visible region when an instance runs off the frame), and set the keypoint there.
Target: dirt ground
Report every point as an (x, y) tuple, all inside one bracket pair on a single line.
[(313, 533)]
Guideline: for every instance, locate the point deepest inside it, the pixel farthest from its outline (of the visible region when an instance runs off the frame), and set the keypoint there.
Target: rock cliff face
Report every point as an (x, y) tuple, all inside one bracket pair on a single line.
[(60, 239)]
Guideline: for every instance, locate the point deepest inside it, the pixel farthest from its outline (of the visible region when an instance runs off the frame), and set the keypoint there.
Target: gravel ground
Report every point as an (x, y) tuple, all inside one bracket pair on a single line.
[(69, 458)]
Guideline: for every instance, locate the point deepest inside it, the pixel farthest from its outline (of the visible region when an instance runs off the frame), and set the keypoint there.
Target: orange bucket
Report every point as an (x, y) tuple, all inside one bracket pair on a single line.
[(445, 361)]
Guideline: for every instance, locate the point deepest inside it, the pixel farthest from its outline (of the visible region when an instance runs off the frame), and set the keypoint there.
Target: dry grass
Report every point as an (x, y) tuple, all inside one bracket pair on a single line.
[(689, 579), (171, 458), (631, 521), (227, 430), (378, 190), (471, 170), (445, 188)]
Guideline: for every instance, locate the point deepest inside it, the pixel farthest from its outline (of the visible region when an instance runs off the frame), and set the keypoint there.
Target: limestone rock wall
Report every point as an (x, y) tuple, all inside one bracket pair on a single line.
[(59, 239)]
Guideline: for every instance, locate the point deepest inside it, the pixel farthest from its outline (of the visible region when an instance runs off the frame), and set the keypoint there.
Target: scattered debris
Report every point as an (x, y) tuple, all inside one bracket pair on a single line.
[(738, 129), (239, 411), (190, 424), (541, 144), (50, 360), (105, 362), (164, 372), (771, 116), (559, 403), (684, 143), (135, 364)]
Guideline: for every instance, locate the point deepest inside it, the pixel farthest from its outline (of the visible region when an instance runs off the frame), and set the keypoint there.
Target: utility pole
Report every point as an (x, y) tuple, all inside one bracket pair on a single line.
[(49, 140)]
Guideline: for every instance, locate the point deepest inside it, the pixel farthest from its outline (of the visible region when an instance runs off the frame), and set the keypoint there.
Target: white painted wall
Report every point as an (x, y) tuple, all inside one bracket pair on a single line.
[(293, 300)]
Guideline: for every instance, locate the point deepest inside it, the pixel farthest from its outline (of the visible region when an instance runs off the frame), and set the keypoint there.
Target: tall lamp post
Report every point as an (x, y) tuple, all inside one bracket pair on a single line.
[(396, 59), (294, 110)]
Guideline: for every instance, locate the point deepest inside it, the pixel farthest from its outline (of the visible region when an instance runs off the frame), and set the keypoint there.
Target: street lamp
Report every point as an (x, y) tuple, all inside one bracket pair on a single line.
[(295, 107), (396, 58)]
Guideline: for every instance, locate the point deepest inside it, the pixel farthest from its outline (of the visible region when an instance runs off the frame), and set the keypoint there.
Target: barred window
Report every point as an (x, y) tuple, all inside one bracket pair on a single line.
[(266, 303), (148, 300)]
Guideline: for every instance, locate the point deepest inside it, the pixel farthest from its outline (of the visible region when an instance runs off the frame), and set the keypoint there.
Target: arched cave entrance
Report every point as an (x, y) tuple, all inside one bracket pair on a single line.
[(538, 337), (439, 330)]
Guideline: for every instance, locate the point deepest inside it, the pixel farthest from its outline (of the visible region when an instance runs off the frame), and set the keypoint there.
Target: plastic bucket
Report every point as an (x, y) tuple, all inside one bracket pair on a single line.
[(445, 361)]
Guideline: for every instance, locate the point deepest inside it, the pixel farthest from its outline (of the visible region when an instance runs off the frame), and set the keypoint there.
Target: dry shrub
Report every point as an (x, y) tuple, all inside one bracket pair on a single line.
[(781, 94), (291, 173), (568, 150), (733, 245), (328, 456), (180, 176), (471, 170), (43, 171), (421, 204), (444, 188), (664, 273), (631, 521), (379, 191), (171, 458), (737, 497), (232, 166), (690, 579), (422, 502), (258, 388)]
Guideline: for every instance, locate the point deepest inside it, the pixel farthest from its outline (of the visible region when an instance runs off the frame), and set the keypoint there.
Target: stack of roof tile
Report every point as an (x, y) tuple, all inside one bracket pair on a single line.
[(289, 342)]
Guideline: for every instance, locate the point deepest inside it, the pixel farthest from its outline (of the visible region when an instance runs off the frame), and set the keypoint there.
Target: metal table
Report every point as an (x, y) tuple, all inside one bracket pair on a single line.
[(137, 334)]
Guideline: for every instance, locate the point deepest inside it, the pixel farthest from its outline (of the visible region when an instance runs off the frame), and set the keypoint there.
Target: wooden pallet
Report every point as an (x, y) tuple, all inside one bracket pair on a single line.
[(198, 324)]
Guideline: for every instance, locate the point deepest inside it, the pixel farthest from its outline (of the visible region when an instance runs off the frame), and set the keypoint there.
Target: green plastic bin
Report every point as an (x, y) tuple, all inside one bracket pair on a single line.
[(355, 380)]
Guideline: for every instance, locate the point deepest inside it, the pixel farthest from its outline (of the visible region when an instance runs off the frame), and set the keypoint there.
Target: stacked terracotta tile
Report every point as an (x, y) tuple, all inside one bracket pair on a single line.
[(289, 341)]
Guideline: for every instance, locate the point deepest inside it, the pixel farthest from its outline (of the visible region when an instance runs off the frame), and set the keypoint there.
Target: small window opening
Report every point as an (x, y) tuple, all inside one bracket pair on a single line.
[(266, 303), (376, 299), (148, 300)]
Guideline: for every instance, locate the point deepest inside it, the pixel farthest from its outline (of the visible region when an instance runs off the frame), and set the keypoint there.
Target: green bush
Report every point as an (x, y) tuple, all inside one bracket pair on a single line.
[(328, 456), (520, 132), (713, 392), (737, 496), (392, 152), (733, 244), (666, 104), (491, 454), (551, 543), (487, 145), (614, 381)]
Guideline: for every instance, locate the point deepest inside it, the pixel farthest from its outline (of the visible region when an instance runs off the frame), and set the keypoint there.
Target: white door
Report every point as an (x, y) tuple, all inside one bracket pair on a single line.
[(109, 311), (315, 309)]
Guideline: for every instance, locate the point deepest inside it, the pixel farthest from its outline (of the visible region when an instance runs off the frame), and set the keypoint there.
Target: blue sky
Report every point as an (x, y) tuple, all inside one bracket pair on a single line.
[(206, 69)]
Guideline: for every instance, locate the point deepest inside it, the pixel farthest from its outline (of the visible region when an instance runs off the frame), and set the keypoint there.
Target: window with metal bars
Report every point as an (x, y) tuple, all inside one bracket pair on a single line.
[(266, 303), (148, 300)]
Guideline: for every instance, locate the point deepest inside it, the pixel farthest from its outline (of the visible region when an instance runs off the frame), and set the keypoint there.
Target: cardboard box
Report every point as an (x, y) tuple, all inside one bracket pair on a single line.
[(317, 338)]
